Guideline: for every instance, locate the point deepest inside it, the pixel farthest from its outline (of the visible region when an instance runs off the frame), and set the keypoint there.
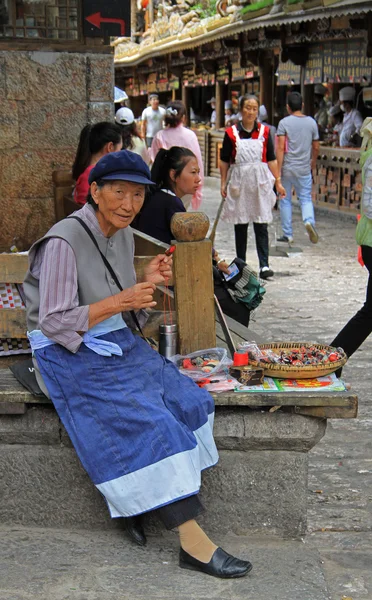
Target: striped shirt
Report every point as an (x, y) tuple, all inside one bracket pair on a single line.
[(60, 315)]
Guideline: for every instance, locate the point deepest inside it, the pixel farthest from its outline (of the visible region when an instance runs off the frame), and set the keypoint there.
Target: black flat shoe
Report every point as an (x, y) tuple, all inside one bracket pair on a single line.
[(221, 564), (134, 528)]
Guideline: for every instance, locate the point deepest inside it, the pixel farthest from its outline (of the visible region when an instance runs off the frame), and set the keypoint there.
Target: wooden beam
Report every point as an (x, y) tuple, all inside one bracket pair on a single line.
[(146, 245), (300, 399), (336, 405), (220, 119), (194, 295), (13, 323), (13, 267)]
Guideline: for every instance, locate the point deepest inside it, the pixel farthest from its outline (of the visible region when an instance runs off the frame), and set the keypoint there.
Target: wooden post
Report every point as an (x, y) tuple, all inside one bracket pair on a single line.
[(133, 19), (220, 114), (194, 296), (185, 100), (267, 84)]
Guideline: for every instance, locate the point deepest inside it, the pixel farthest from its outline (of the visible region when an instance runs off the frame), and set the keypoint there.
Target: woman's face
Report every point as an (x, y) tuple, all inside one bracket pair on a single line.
[(118, 203), (249, 111), (189, 179)]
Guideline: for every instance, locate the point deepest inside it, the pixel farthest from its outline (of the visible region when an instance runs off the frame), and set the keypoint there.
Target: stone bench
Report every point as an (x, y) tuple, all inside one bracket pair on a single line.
[(260, 482)]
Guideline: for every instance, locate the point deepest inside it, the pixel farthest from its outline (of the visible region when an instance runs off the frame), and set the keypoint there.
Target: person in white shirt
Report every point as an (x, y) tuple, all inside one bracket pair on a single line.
[(213, 118), (352, 118), (152, 119)]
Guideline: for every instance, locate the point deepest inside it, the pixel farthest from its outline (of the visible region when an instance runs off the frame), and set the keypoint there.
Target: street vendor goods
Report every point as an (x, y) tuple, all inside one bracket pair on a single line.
[(298, 360), (203, 363), (247, 375)]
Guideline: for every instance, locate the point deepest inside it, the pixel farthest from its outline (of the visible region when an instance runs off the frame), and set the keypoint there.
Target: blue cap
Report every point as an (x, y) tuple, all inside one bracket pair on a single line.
[(123, 165)]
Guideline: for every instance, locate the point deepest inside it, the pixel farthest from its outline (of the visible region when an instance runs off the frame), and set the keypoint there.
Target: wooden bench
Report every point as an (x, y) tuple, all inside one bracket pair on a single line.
[(260, 483)]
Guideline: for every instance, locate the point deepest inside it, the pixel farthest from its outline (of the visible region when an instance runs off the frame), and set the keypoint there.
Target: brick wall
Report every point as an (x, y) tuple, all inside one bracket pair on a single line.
[(46, 98)]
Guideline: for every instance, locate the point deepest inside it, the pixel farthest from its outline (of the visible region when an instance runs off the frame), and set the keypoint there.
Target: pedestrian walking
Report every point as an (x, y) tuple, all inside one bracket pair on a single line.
[(142, 430), (152, 119), (176, 134), (359, 327), (95, 142), (263, 118), (249, 171), (131, 138), (297, 151)]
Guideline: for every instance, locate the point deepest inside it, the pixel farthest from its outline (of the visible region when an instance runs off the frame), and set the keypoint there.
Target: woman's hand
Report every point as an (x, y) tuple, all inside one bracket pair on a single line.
[(223, 190), (137, 297), (159, 269), (280, 190), (224, 267)]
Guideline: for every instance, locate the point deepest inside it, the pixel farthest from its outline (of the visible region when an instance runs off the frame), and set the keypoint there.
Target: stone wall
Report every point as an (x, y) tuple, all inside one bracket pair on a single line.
[(46, 98)]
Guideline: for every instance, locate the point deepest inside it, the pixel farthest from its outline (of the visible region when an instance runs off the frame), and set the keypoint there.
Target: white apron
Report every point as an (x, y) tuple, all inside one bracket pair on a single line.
[(250, 195)]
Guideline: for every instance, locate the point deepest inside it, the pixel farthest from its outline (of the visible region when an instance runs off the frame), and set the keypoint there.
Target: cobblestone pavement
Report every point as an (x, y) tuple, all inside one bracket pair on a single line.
[(311, 297)]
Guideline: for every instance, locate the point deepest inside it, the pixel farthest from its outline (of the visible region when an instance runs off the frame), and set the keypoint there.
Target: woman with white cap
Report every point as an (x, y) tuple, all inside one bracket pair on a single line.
[(352, 118), (131, 138), (143, 432)]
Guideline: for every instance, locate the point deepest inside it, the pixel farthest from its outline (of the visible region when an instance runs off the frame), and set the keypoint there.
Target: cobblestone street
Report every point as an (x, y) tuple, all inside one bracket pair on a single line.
[(311, 297)]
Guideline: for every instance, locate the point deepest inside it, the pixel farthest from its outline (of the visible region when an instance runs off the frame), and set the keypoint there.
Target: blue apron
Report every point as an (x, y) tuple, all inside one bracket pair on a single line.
[(142, 431)]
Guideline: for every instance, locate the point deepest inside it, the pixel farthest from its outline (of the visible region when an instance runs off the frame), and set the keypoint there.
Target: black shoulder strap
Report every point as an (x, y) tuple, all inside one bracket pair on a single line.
[(109, 268)]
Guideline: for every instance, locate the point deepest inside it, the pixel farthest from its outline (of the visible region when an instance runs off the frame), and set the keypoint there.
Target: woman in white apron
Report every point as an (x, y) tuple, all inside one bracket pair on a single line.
[(248, 172)]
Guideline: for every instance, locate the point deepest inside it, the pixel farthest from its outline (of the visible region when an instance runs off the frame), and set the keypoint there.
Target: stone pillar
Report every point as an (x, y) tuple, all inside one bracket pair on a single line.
[(46, 98)]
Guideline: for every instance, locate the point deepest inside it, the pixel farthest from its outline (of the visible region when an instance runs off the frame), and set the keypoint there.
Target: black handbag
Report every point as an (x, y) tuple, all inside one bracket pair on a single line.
[(24, 372), (246, 286)]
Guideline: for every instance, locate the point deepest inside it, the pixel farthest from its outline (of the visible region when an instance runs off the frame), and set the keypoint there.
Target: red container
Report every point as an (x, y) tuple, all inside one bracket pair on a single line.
[(240, 359)]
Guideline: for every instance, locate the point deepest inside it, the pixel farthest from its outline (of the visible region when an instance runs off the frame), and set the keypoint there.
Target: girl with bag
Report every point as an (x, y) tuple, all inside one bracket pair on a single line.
[(176, 172)]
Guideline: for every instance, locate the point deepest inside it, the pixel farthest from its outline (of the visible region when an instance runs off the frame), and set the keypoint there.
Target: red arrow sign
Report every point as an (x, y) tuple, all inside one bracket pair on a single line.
[(96, 20)]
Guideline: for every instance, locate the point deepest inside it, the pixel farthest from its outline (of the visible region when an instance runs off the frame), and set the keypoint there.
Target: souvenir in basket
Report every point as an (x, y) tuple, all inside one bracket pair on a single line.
[(295, 360)]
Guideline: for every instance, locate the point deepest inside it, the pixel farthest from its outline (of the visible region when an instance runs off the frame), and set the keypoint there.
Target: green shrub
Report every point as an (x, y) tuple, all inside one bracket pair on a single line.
[(256, 6), (205, 8)]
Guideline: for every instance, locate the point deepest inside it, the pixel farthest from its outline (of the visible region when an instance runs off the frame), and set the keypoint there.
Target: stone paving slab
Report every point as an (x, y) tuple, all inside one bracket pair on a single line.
[(59, 565), (311, 297)]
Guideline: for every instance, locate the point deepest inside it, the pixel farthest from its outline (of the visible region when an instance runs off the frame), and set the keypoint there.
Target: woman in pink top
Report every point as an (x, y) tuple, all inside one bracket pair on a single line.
[(175, 134), (95, 141)]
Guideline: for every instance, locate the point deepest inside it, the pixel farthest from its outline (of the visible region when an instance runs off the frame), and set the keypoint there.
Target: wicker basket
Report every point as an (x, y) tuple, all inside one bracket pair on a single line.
[(295, 372)]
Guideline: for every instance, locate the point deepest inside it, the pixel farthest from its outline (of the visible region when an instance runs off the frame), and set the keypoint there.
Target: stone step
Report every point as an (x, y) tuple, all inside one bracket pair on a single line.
[(53, 564)]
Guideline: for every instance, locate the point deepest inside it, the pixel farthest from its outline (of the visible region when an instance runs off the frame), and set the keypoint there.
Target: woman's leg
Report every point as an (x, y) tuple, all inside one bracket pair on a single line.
[(198, 552), (285, 207), (241, 232), (262, 243), (360, 325)]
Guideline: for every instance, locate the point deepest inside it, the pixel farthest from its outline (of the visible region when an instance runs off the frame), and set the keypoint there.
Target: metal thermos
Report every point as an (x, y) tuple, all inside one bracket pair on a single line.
[(168, 337)]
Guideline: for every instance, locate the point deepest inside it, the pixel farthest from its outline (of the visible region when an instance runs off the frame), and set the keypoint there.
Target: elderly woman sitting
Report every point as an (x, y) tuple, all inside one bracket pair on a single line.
[(142, 431)]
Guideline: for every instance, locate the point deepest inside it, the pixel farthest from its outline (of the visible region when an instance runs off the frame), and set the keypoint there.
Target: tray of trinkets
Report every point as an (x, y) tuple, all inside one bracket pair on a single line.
[(296, 360)]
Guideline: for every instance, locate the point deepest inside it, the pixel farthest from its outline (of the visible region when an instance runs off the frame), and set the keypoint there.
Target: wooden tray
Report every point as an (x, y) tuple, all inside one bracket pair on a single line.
[(295, 372)]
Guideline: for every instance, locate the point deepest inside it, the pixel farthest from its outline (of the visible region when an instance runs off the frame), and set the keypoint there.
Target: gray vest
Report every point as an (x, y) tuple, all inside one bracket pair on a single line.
[(94, 280)]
